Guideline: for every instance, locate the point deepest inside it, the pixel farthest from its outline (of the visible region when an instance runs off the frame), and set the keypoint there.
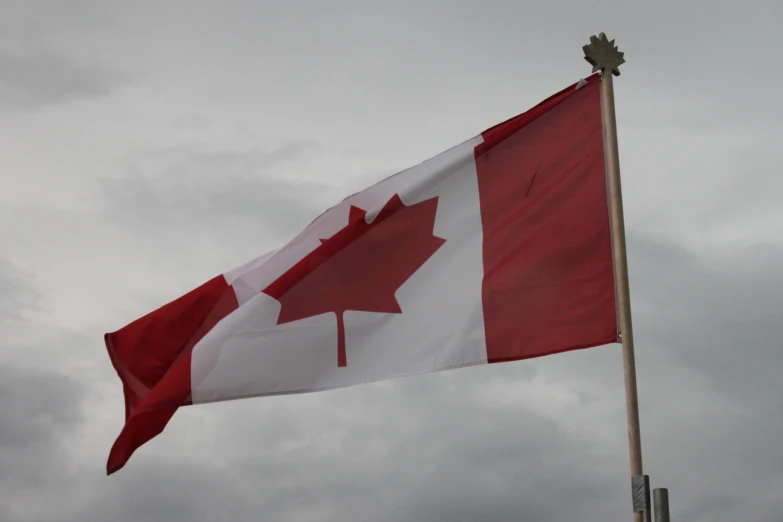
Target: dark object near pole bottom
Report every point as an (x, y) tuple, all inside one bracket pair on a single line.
[(661, 502), (640, 488)]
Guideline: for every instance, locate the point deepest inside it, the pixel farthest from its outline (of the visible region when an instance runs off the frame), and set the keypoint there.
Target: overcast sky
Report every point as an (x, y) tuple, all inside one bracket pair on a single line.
[(148, 146)]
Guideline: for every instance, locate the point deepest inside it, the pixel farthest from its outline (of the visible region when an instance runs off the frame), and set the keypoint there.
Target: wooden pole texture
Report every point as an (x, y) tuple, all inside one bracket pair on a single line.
[(603, 55), (661, 501)]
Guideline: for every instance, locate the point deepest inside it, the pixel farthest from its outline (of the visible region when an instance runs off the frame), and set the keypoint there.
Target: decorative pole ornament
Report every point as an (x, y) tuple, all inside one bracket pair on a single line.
[(602, 54)]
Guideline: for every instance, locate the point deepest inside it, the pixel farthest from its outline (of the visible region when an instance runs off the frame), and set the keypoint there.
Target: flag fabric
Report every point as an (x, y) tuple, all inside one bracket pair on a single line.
[(498, 249)]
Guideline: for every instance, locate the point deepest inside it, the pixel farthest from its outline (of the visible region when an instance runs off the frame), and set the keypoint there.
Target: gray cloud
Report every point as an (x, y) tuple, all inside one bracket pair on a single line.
[(717, 312), (39, 66), (189, 186), (41, 21), (16, 297), (155, 197), (34, 79), (39, 407), (710, 343)]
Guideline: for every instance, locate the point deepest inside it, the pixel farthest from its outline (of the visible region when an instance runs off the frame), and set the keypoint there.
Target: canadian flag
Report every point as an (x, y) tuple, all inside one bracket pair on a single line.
[(498, 249)]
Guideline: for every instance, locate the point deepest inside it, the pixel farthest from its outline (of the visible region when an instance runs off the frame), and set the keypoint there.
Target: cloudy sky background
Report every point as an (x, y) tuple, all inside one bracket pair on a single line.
[(146, 147)]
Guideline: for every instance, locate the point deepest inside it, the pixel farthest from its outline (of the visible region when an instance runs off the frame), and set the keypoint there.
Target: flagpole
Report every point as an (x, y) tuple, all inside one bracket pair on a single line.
[(604, 56)]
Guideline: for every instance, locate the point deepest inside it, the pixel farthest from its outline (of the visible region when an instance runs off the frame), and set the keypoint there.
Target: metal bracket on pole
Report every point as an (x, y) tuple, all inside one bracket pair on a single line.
[(640, 490)]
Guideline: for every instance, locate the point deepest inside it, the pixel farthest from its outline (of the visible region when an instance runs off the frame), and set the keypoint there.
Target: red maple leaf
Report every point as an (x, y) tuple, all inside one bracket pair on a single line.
[(360, 267)]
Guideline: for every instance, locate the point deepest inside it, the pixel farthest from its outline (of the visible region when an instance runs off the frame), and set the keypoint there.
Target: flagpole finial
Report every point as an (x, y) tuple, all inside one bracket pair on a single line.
[(602, 54)]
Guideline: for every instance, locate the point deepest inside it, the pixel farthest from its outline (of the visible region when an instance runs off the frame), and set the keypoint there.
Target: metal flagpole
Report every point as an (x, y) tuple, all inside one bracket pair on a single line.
[(604, 56)]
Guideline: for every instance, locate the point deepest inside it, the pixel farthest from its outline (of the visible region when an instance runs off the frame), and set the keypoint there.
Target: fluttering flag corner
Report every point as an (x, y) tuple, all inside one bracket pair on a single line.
[(498, 249)]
